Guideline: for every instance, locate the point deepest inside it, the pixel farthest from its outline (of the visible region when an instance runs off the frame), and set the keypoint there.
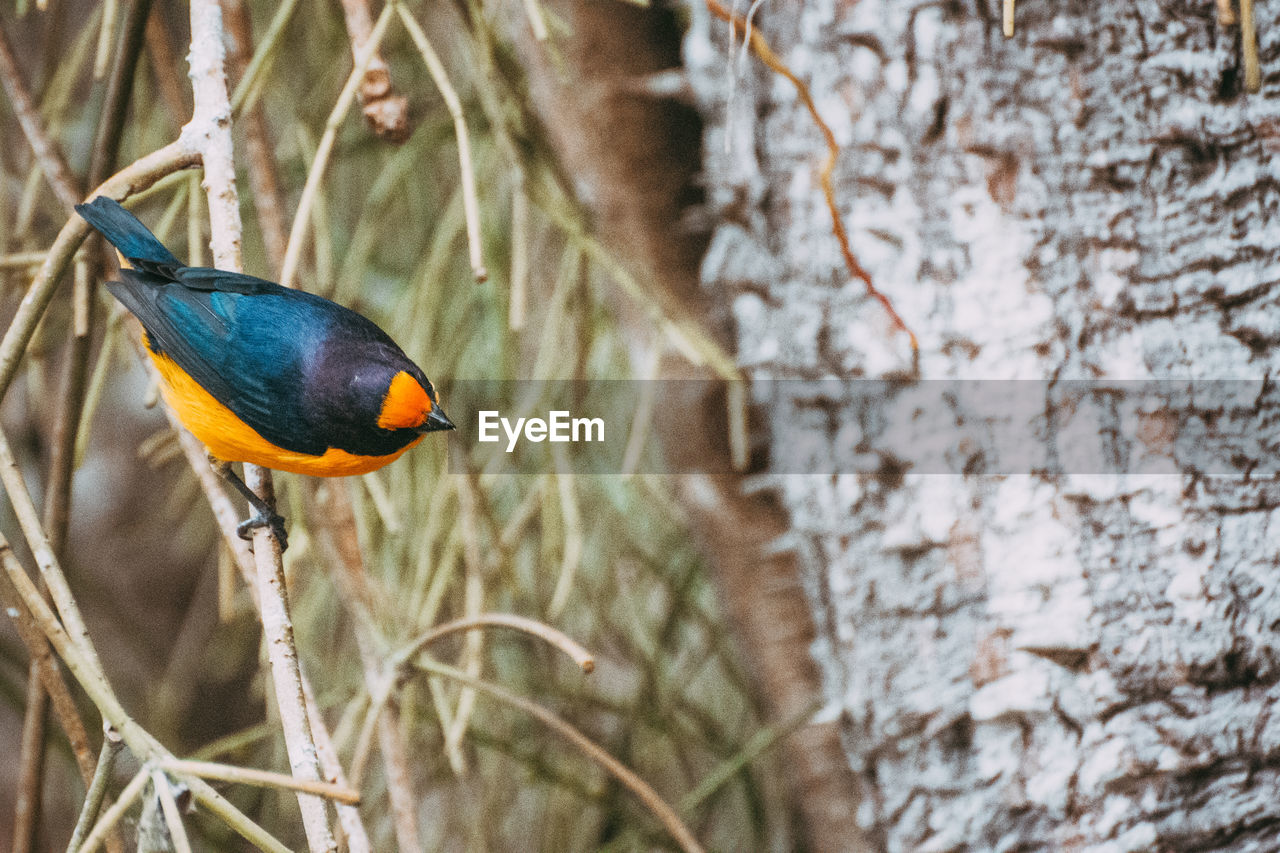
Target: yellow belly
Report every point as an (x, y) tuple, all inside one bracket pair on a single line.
[(231, 439)]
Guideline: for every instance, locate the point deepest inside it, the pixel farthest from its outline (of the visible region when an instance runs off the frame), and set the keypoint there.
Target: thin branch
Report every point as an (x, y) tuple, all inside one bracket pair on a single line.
[(64, 705), (571, 559), (348, 816), (656, 805), (551, 636), (130, 795), (264, 177), (1249, 47), (43, 147), (172, 817), (470, 204), (386, 112), (340, 546), (82, 660), (112, 743), (297, 234), (259, 778)]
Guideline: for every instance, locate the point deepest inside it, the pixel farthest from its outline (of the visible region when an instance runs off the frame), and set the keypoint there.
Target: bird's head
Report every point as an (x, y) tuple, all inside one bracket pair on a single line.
[(411, 403)]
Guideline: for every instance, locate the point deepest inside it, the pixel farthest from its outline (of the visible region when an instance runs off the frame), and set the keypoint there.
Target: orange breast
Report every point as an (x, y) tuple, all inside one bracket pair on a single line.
[(231, 439)]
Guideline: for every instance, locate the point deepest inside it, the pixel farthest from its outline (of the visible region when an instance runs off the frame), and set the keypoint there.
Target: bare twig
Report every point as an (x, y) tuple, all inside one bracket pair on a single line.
[(297, 234), (1007, 18), (338, 542), (46, 151), (348, 816), (172, 817), (386, 112), (259, 778), (541, 630), (470, 204), (264, 178), (76, 650), (130, 795), (111, 746), (64, 706), (519, 284), (1249, 47), (395, 762)]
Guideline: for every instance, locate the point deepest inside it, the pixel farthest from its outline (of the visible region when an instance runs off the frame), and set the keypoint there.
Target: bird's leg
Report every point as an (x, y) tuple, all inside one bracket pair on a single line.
[(264, 513)]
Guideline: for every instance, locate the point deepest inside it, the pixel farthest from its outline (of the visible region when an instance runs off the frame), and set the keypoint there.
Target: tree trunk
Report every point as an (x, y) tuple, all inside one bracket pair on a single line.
[(1045, 658)]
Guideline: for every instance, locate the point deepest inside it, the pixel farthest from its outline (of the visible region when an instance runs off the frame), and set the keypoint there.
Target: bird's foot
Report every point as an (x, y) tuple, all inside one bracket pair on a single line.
[(264, 519)]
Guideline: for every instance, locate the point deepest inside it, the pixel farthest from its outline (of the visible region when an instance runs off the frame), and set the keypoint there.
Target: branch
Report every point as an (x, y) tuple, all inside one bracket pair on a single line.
[(297, 234), (386, 112), (210, 133), (46, 151)]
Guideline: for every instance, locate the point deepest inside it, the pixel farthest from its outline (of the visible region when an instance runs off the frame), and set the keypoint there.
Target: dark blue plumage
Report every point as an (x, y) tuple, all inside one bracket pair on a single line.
[(305, 373)]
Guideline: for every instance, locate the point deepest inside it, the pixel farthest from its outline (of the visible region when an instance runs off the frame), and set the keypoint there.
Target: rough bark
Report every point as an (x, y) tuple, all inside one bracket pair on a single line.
[(1036, 661)]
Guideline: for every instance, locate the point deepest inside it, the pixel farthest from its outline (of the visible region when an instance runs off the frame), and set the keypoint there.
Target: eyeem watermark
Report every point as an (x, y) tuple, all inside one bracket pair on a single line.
[(559, 426)]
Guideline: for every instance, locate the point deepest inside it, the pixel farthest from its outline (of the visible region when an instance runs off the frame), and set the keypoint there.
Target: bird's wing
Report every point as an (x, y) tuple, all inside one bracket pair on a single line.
[(227, 336)]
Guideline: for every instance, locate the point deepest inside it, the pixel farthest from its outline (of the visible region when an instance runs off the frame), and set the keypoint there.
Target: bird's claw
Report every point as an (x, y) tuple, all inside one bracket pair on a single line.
[(273, 520)]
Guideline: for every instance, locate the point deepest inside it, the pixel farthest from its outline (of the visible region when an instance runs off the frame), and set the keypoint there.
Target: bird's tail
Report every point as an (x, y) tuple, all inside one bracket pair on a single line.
[(130, 237)]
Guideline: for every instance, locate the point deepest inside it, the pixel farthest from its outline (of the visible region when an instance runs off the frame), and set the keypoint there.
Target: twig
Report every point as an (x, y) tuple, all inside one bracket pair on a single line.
[(115, 105), (1249, 47), (259, 778), (348, 816), (297, 234), (246, 92), (169, 807), (769, 58), (130, 795), (111, 746), (209, 132), (338, 542), (42, 146), (404, 804), (22, 260), (386, 112), (571, 559), (1007, 18), (656, 805), (30, 775), (71, 394), (264, 178), (519, 284), (470, 205), (64, 706), (551, 636), (473, 603)]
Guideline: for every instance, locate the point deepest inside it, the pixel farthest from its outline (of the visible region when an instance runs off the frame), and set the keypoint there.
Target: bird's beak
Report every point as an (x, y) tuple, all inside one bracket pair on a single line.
[(436, 420)]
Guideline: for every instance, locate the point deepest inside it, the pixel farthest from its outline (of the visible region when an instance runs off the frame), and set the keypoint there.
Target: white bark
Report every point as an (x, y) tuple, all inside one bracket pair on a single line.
[(1032, 661)]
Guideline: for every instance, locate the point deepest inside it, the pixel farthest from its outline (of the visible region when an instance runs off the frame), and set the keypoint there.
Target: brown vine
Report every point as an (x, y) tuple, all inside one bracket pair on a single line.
[(774, 63)]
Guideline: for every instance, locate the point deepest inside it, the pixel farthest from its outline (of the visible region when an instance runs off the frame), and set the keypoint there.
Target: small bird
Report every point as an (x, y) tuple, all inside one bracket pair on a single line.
[(264, 374)]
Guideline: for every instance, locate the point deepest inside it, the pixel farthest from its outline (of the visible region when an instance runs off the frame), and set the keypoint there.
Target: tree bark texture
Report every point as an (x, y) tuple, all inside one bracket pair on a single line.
[(1033, 661)]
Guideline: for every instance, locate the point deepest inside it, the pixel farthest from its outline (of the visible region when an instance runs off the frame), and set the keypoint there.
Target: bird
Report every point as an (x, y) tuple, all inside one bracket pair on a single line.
[(264, 374)]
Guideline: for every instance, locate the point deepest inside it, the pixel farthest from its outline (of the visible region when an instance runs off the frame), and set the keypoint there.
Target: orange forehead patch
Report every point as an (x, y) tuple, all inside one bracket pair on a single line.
[(406, 405)]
